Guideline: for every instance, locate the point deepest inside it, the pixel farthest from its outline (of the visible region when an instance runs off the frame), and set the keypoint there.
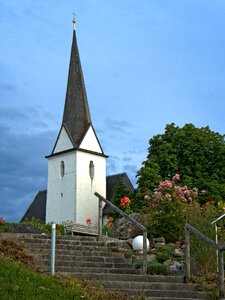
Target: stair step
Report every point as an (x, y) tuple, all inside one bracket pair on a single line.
[(129, 277), (148, 285), (68, 247), (68, 269), (74, 258), (66, 252), (171, 294), (65, 242), (78, 264)]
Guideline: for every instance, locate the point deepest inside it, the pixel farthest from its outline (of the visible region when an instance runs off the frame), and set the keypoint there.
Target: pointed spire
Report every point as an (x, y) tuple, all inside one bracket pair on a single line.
[(76, 116)]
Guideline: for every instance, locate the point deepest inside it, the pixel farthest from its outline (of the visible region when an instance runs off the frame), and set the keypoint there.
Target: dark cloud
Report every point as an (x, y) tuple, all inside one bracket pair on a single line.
[(12, 113), (23, 169), (28, 117), (119, 126)]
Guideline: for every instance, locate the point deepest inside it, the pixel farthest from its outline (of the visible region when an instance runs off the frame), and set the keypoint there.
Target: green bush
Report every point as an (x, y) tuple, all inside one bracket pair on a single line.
[(165, 252), (156, 268), (168, 221), (138, 264)]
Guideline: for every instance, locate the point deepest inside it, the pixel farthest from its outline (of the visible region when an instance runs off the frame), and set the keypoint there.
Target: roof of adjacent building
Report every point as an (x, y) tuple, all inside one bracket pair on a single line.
[(113, 180), (37, 209), (111, 183)]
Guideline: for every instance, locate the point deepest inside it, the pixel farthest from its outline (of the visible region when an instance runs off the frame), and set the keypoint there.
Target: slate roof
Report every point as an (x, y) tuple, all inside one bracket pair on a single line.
[(111, 183), (76, 115), (37, 208)]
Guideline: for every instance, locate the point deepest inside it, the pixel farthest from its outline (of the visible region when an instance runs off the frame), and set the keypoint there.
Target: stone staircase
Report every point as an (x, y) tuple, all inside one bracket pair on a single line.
[(85, 258)]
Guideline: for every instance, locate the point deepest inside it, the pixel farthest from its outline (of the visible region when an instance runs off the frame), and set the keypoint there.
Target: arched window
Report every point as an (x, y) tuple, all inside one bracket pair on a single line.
[(91, 170), (62, 169)]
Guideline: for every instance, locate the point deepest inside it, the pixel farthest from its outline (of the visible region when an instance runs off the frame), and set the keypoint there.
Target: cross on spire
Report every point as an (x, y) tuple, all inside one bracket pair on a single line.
[(74, 21)]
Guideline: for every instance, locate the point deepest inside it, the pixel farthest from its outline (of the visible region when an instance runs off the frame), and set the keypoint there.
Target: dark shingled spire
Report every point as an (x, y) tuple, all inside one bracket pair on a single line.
[(76, 116)]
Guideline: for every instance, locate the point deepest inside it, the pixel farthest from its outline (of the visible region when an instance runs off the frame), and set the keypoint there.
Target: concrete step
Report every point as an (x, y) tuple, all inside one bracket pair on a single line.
[(129, 277), (147, 285), (87, 264), (68, 269), (71, 258), (21, 236), (66, 252), (171, 294), (78, 247), (59, 242)]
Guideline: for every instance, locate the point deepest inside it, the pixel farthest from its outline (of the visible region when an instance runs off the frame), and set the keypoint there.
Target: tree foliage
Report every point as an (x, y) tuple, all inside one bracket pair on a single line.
[(197, 154)]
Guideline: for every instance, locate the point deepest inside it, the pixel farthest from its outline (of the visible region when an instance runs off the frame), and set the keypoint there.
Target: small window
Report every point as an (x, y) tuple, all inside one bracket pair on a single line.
[(91, 170), (62, 169)]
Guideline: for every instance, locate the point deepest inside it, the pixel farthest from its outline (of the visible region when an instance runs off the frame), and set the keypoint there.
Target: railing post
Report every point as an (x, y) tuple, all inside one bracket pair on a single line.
[(145, 251), (99, 218), (52, 262), (187, 254), (221, 274)]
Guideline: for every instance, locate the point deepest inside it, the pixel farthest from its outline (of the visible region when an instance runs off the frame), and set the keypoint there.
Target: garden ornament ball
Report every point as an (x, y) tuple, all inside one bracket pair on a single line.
[(137, 243)]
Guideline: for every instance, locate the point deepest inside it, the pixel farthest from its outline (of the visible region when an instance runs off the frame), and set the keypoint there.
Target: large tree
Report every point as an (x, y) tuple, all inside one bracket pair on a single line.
[(197, 154)]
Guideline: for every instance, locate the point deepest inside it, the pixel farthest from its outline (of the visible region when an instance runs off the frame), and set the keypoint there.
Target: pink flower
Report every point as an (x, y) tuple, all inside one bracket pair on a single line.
[(2, 220), (166, 183), (176, 177), (146, 197)]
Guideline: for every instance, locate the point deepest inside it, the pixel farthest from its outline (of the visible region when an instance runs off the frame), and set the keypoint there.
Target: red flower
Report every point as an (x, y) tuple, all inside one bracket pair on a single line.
[(88, 221), (110, 224), (122, 203), (126, 200)]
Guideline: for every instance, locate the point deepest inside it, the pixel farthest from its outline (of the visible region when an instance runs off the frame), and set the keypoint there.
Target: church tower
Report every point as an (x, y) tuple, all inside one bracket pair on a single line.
[(77, 164)]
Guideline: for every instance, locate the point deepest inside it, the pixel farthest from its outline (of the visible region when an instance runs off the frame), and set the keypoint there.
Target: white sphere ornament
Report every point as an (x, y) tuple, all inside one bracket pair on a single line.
[(137, 243)]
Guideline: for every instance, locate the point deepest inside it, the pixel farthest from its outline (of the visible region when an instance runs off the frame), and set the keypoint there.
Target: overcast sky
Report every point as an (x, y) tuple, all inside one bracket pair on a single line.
[(146, 63)]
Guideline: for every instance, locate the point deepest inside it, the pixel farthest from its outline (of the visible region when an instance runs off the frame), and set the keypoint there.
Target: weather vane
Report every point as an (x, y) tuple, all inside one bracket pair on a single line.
[(74, 21)]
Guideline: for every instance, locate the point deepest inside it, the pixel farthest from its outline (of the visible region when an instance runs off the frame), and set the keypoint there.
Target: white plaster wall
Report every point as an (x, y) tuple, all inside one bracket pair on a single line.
[(64, 142), (87, 202), (90, 141), (61, 195)]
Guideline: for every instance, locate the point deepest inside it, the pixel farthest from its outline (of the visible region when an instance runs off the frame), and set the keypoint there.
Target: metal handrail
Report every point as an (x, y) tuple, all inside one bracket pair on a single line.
[(134, 222), (217, 246), (214, 222)]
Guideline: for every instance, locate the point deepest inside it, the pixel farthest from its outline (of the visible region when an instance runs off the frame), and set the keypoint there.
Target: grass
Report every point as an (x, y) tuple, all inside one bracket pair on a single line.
[(17, 282)]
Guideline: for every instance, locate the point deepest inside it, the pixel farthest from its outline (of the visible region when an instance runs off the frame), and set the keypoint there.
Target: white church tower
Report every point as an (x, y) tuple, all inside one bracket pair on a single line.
[(77, 164)]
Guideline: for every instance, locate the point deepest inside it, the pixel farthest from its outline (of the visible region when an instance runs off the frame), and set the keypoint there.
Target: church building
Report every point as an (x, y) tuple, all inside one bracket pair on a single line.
[(77, 163)]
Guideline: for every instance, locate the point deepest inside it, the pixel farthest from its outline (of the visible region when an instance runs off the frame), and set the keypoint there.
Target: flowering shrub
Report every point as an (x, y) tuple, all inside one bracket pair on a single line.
[(170, 205), (88, 221), (2, 220)]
